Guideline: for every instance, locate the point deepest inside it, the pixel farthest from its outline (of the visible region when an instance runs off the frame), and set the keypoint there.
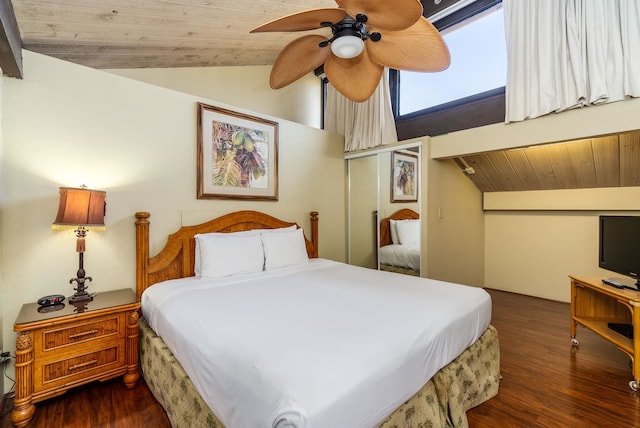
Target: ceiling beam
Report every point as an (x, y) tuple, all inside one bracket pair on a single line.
[(10, 42)]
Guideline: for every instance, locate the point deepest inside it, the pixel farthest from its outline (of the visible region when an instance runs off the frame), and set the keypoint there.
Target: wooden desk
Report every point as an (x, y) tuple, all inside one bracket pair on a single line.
[(594, 305), (70, 345)]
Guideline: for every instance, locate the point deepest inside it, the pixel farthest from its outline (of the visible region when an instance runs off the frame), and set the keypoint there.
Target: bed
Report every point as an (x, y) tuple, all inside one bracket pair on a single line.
[(400, 252), (468, 378)]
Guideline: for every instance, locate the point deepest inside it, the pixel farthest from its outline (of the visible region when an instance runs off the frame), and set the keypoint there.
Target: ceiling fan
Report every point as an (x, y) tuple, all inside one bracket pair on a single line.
[(368, 35)]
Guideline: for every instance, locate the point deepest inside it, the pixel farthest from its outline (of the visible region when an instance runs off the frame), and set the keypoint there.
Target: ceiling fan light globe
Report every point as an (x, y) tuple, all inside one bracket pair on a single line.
[(347, 47)]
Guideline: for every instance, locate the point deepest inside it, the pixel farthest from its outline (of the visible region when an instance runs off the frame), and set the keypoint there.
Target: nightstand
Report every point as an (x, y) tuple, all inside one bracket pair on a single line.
[(67, 345)]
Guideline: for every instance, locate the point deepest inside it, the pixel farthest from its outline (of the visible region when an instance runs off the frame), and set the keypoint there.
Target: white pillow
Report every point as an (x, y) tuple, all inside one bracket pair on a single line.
[(408, 231), (200, 236), (280, 229), (225, 254), (394, 232), (196, 265), (284, 248)]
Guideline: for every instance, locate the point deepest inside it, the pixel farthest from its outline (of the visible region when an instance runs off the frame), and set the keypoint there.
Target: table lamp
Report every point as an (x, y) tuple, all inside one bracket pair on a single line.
[(81, 208)]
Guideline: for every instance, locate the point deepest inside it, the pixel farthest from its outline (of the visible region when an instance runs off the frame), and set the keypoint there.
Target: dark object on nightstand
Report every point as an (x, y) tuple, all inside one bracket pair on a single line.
[(51, 300)]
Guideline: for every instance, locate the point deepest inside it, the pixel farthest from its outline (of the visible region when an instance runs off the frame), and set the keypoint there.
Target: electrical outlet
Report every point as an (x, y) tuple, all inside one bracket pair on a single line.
[(4, 357)]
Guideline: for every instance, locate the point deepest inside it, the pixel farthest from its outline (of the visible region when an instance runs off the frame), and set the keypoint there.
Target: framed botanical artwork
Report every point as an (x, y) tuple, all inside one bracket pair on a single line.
[(404, 177), (237, 155)]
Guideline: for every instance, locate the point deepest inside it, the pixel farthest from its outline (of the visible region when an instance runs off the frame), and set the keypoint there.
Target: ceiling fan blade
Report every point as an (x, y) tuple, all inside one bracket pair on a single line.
[(355, 78), (297, 59), (418, 48), (302, 21), (384, 15)]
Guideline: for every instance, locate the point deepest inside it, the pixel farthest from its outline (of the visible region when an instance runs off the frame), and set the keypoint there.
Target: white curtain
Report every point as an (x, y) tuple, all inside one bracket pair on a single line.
[(364, 125), (564, 54)]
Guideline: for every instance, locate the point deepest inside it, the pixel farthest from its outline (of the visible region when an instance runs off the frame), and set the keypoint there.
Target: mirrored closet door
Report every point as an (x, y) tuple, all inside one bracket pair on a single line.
[(384, 209), (363, 205)]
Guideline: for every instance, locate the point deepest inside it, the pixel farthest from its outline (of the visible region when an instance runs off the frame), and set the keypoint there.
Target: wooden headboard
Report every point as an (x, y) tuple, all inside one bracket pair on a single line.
[(385, 224), (177, 258)]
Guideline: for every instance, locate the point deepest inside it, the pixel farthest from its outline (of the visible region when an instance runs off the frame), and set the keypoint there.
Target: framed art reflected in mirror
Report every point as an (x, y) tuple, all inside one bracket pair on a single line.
[(404, 177)]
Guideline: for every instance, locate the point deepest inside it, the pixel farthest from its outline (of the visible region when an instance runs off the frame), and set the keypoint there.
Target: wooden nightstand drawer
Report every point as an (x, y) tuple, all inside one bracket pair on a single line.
[(79, 367), (80, 333)]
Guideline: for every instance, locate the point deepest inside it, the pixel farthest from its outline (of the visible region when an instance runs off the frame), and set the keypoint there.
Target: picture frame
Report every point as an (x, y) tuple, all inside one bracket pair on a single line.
[(237, 155), (404, 177)]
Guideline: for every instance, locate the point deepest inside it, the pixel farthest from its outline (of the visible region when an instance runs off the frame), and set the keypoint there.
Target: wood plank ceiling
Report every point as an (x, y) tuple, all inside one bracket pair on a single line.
[(603, 161), (157, 33), (163, 33)]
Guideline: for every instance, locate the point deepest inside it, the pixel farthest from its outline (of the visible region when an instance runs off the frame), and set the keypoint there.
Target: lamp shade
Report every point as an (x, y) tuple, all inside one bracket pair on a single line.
[(81, 207)]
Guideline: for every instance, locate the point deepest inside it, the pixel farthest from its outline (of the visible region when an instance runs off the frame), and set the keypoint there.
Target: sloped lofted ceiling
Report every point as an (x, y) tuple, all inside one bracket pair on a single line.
[(157, 33), (162, 33), (603, 161)]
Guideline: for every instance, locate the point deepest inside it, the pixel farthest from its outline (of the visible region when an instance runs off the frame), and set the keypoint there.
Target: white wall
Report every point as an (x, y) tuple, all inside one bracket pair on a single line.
[(568, 125), (528, 250), (67, 125), (536, 239), (246, 86), (455, 225), (534, 253)]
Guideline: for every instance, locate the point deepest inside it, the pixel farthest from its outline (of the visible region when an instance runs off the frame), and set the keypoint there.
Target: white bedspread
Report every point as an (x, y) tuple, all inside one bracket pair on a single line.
[(407, 255), (322, 344)]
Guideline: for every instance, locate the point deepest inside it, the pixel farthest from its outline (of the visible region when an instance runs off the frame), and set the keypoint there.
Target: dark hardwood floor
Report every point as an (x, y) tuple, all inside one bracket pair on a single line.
[(98, 405), (546, 382)]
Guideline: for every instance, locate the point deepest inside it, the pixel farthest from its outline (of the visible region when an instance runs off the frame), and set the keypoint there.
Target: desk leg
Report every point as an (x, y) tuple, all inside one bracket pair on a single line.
[(23, 408), (572, 323), (131, 353), (635, 364)]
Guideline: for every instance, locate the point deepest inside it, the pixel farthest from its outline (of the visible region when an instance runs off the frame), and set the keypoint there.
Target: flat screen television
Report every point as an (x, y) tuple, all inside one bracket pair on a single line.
[(620, 248)]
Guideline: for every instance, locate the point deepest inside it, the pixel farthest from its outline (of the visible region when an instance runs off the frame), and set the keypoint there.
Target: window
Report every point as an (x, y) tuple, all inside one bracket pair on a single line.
[(468, 94), (478, 64)]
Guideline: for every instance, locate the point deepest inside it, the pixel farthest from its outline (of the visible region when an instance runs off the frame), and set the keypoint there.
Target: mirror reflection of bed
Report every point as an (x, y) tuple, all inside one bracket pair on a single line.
[(399, 249)]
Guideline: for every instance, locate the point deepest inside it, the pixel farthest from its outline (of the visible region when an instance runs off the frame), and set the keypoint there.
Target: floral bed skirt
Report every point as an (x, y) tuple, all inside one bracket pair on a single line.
[(466, 382)]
